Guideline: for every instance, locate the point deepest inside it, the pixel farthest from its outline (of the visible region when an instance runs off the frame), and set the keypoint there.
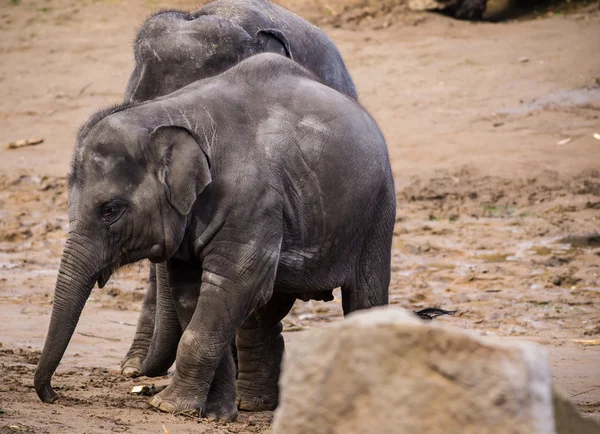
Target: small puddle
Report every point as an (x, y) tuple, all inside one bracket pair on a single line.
[(564, 250), (8, 265), (548, 247), (541, 250), (561, 98), (494, 257), (442, 266), (592, 240)]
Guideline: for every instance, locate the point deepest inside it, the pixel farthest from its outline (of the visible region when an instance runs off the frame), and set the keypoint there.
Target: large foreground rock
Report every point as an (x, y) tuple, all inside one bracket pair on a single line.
[(385, 371)]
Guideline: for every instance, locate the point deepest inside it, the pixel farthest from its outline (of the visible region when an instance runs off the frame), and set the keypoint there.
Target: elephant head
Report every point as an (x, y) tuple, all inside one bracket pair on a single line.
[(130, 191), (174, 49)]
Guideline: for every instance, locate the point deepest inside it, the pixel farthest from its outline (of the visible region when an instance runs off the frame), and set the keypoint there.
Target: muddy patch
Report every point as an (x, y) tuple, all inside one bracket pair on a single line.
[(588, 97)]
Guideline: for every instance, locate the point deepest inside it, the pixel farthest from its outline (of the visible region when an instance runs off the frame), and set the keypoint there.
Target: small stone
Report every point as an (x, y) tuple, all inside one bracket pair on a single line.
[(138, 390), (24, 142), (146, 390)]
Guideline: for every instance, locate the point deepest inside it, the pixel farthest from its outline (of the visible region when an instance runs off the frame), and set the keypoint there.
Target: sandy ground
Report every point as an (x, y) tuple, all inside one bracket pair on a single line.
[(489, 128)]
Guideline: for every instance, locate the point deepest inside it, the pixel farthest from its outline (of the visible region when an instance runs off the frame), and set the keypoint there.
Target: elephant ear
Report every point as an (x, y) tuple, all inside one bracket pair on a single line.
[(274, 41), (183, 166)]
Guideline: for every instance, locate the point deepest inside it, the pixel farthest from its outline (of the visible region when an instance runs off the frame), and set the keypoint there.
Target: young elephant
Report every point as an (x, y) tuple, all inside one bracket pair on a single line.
[(174, 48), (257, 186)]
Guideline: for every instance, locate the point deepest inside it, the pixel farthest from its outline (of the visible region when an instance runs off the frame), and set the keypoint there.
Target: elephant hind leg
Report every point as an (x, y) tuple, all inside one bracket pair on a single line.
[(131, 366), (369, 285), (260, 347), (167, 333)]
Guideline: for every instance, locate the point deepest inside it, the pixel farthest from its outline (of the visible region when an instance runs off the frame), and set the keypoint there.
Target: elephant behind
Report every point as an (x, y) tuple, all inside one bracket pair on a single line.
[(175, 48)]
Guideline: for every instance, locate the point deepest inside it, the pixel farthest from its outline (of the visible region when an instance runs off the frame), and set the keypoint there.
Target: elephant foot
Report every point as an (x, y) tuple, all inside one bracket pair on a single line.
[(132, 367), (260, 351), (218, 410), (169, 402), (251, 398), (221, 411), (220, 403)]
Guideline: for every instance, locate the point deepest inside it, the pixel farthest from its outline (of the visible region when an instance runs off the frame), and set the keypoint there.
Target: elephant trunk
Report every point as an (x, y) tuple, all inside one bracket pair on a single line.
[(73, 287)]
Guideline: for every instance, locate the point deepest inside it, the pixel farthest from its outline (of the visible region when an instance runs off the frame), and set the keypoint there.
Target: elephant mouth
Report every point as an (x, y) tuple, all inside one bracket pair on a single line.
[(123, 259), (103, 276)]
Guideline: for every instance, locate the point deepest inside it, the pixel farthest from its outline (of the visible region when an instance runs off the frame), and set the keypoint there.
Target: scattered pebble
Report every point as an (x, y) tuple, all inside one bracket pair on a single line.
[(293, 329), (564, 141), (523, 59), (587, 342), (146, 390), (592, 332), (22, 143)]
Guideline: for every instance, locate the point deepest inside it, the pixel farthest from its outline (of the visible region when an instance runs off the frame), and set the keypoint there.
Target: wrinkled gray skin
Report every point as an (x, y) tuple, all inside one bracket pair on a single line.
[(257, 186), (175, 48)]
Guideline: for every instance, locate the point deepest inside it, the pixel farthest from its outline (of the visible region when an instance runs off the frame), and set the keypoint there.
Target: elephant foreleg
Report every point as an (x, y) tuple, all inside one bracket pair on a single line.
[(185, 287)]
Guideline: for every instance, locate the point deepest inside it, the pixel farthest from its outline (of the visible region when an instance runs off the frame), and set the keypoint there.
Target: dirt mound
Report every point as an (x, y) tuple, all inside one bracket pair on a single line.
[(467, 192), (369, 14), (382, 14)]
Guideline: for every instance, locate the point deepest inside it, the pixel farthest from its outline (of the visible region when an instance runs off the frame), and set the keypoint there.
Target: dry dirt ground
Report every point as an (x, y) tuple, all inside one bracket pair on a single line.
[(490, 131)]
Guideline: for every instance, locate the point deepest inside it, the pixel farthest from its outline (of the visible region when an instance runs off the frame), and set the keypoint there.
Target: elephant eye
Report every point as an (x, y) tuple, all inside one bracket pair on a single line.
[(112, 210), (109, 211)]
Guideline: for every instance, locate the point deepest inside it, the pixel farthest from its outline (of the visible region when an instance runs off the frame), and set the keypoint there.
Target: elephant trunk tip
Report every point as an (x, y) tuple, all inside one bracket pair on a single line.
[(44, 389)]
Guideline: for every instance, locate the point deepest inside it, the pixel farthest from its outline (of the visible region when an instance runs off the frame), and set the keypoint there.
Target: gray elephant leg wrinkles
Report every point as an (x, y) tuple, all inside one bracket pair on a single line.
[(220, 402), (260, 352), (368, 289), (177, 302), (228, 295), (131, 366)]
